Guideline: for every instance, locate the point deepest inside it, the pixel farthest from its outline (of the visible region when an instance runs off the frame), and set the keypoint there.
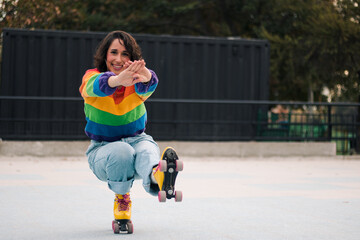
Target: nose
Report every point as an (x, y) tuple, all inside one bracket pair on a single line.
[(119, 58)]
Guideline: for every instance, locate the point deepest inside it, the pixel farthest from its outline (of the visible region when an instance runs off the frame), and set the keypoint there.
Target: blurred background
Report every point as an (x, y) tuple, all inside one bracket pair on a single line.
[(230, 70)]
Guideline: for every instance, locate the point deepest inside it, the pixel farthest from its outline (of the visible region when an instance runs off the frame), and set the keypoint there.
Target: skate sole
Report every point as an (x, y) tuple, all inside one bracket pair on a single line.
[(123, 226), (170, 165)]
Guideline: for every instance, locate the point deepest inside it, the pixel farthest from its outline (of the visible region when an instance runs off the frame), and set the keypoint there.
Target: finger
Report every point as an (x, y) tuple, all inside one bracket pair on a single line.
[(132, 66), (127, 64), (141, 68), (137, 66), (143, 63)]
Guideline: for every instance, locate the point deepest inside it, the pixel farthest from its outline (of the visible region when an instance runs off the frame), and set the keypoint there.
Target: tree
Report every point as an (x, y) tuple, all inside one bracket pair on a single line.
[(314, 43), (317, 49), (43, 14)]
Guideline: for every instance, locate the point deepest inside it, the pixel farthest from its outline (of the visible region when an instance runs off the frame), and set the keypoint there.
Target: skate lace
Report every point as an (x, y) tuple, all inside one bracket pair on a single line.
[(124, 204)]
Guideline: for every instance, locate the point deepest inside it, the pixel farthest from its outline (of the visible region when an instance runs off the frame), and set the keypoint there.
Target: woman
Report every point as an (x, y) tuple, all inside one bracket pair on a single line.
[(120, 150)]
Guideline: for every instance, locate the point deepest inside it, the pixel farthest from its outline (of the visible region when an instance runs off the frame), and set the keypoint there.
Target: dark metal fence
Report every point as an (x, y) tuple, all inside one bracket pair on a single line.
[(211, 89), (230, 120)]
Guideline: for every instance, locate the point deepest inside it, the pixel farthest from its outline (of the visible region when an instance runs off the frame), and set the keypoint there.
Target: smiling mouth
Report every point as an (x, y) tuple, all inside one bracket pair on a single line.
[(117, 67)]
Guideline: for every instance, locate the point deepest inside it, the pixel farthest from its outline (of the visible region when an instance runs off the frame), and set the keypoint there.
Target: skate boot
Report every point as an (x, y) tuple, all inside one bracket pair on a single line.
[(122, 214), (165, 175)]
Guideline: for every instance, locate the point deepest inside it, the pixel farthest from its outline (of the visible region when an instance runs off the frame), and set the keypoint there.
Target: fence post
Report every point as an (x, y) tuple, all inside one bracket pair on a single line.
[(357, 144), (329, 123), (253, 123)]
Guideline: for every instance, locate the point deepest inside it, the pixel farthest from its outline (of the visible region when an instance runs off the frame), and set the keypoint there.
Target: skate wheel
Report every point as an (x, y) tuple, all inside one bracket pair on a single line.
[(130, 227), (163, 165), (178, 196), (115, 227), (179, 165), (162, 196)]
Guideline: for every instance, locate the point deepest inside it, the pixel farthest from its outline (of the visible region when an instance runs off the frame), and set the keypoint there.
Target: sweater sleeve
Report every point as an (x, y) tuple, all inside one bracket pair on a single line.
[(95, 84), (144, 91)]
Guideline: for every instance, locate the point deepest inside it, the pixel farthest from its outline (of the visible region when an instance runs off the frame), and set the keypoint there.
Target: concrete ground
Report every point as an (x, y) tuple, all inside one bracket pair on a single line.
[(224, 198)]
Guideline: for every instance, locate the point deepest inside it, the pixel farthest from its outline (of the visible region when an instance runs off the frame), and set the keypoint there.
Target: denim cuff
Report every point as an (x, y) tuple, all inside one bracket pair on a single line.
[(121, 187)]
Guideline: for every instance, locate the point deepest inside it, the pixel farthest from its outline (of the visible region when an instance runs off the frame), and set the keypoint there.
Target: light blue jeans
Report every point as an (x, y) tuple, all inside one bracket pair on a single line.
[(119, 163)]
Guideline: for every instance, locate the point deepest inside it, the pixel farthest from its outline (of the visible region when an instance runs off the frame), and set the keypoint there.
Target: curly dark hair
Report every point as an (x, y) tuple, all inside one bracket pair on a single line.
[(130, 45)]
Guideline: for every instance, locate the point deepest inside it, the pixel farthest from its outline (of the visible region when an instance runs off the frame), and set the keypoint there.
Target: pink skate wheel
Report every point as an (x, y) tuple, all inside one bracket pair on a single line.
[(162, 196), (179, 165), (130, 227), (178, 196), (115, 227), (163, 165)]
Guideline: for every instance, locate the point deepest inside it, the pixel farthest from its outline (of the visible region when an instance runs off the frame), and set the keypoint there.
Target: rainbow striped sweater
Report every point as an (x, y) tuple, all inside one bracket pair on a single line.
[(114, 113)]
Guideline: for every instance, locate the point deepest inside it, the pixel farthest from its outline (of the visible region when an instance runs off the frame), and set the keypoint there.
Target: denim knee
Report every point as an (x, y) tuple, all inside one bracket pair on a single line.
[(120, 162)]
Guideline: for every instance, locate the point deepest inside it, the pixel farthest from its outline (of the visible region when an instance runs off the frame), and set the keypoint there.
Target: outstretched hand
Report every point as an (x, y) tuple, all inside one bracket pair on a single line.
[(134, 72)]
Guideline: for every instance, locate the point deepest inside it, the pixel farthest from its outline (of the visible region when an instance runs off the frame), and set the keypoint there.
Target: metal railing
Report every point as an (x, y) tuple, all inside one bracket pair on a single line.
[(190, 120)]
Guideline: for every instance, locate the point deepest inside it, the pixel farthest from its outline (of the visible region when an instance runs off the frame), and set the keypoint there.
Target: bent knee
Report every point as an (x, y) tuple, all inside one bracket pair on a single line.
[(121, 152)]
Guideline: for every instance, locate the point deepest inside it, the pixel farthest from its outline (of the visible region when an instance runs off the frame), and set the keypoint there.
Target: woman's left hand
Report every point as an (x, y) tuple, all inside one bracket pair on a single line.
[(141, 73)]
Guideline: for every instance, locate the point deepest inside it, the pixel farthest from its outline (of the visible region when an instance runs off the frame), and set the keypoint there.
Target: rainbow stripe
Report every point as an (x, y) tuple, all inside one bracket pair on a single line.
[(113, 113)]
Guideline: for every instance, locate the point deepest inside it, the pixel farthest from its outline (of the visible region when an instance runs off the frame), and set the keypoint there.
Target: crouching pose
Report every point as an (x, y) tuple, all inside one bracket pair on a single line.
[(120, 151)]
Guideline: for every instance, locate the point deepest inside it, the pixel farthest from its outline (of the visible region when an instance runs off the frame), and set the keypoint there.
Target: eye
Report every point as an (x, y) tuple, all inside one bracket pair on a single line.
[(114, 51), (125, 54)]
